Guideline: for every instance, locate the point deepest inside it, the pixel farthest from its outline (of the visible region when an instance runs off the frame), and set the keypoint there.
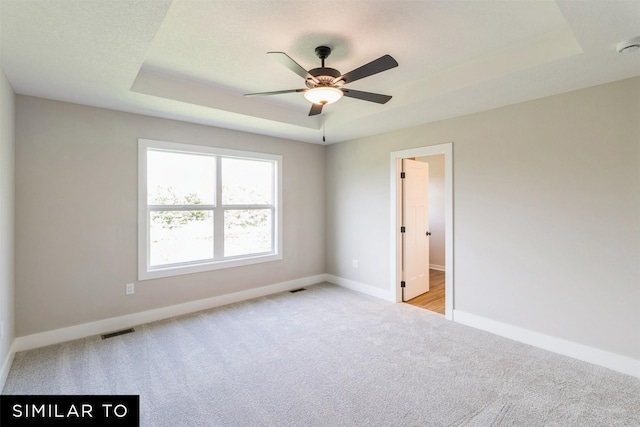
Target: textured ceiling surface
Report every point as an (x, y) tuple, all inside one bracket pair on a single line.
[(193, 60)]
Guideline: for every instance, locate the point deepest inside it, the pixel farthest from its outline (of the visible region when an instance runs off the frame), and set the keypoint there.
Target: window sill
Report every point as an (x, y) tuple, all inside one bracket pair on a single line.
[(179, 270)]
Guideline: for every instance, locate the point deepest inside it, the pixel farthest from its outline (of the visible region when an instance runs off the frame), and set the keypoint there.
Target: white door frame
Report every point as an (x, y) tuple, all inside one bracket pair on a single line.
[(396, 218)]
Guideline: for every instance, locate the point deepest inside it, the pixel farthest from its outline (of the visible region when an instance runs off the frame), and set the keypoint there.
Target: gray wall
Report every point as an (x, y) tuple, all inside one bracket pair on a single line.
[(7, 146), (546, 213), (76, 213)]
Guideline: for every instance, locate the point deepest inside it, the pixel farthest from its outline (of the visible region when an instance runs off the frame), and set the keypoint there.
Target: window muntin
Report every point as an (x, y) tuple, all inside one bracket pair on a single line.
[(204, 208)]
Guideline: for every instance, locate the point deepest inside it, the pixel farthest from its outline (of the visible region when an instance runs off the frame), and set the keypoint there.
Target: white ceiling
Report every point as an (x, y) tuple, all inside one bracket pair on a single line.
[(193, 60)]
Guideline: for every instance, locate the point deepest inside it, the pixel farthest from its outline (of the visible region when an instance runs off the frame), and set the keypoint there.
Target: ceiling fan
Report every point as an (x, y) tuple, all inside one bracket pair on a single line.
[(324, 85)]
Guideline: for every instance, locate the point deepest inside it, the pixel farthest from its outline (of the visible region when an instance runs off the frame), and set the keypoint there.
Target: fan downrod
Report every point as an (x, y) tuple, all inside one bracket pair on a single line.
[(323, 53)]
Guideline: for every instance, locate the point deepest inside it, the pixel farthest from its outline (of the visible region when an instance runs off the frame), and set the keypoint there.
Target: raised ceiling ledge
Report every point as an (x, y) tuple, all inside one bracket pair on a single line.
[(172, 87), (552, 46)]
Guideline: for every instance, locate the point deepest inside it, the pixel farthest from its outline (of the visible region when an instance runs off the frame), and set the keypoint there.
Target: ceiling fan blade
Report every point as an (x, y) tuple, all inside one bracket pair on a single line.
[(286, 60), (277, 92), (379, 65), (366, 96), (315, 109)]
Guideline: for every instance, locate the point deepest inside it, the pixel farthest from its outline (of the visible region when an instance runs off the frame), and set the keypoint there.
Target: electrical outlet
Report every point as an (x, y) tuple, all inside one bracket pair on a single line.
[(354, 263), (130, 289)]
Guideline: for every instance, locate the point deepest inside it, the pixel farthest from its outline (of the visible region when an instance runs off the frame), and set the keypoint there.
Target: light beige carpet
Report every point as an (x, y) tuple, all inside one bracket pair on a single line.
[(330, 357)]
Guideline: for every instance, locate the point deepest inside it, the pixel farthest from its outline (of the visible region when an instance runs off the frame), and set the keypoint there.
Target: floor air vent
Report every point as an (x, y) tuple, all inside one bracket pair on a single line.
[(297, 290), (117, 333)]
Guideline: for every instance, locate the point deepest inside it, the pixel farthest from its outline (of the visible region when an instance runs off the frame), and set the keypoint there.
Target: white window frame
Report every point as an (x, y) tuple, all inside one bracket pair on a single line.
[(145, 270)]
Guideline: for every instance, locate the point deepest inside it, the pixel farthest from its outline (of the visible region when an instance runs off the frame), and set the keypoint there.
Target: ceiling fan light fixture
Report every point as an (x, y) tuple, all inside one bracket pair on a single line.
[(323, 95)]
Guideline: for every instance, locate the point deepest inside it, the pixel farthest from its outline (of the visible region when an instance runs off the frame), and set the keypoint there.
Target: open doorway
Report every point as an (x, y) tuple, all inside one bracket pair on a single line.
[(441, 269), (433, 298)]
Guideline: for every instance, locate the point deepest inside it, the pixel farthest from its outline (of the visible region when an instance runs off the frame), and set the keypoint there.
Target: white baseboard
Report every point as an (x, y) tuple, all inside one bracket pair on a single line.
[(6, 365), (615, 362), (56, 336), (436, 267), (361, 287)]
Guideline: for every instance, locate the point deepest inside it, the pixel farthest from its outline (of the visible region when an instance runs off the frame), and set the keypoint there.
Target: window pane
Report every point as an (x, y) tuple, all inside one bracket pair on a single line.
[(247, 231), (247, 182), (180, 236), (180, 179)]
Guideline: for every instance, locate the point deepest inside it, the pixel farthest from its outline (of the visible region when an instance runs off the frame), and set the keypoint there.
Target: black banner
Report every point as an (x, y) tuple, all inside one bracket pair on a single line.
[(69, 410)]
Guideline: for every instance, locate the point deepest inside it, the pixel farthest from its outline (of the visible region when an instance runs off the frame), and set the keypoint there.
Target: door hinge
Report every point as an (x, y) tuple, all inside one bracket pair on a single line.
[(403, 284), (402, 229), (402, 175)]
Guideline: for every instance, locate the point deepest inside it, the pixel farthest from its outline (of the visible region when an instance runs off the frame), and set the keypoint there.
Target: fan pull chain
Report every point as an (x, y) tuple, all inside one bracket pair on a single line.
[(323, 128)]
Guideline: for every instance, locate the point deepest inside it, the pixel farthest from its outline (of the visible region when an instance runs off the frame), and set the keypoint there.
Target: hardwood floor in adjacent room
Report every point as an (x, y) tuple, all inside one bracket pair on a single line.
[(434, 299)]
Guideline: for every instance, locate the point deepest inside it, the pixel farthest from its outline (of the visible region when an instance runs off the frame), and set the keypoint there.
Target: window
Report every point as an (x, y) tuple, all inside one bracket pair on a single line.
[(203, 208)]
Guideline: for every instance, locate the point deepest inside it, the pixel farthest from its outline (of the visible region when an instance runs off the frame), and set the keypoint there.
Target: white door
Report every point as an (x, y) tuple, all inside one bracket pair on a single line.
[(415, 213)]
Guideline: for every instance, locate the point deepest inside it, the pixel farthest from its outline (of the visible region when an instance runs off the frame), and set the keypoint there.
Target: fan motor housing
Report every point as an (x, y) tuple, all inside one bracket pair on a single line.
[(325, 77)]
